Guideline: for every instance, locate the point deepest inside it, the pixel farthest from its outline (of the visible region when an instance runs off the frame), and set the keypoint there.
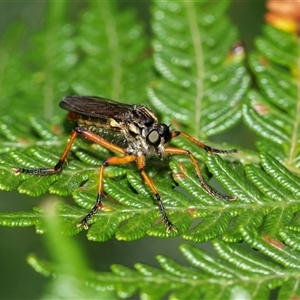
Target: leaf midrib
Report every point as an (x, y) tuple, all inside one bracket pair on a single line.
[(197, 46), (113, 44)]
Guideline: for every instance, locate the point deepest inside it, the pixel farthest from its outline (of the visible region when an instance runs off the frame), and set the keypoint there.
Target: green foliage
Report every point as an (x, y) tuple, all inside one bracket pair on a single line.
[(71, 266), (119, 71), (115, 64), (197, 81), (197, 70), (34, 79), (232, 273), (273, 112)]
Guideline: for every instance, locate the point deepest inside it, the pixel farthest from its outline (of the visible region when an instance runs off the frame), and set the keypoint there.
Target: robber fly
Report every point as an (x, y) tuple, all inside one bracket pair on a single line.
[(139, 134)]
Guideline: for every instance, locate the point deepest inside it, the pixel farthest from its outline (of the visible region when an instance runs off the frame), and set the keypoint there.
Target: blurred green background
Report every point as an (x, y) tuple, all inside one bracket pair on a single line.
[(17, 279)]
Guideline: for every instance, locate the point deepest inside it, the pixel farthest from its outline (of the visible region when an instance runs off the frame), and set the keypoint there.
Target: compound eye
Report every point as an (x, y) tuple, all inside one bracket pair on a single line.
[(153, 138), (164, 132)]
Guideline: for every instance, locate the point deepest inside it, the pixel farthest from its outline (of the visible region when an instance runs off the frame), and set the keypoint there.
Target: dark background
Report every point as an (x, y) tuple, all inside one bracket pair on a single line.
[(17, 279)]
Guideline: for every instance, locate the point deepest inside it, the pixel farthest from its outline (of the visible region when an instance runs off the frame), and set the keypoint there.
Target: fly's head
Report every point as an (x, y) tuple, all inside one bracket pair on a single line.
[(144, 133), (157, 137)]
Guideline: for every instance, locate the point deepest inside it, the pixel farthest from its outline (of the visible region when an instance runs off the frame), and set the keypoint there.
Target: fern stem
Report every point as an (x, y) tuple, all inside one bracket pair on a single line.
[(197, 45)]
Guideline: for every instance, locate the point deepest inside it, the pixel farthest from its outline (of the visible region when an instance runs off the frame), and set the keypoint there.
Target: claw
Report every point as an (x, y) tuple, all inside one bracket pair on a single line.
[(84, 224), (170, 227)]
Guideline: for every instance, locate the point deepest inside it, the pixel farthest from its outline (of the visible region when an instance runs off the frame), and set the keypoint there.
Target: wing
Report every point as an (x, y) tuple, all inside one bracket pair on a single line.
[(96, 107)]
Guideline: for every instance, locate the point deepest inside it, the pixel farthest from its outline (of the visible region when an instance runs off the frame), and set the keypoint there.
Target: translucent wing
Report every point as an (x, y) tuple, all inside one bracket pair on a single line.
[(97, 107)]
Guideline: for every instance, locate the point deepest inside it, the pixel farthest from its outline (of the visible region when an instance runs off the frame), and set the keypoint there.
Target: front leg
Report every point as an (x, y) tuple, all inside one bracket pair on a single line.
[(209, 189)]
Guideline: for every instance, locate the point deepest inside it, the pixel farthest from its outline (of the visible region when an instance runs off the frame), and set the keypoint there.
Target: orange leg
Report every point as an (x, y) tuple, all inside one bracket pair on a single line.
[(210, 190), (141, 167), (114, 160), (110, 161), (198, 143), (58, 167)]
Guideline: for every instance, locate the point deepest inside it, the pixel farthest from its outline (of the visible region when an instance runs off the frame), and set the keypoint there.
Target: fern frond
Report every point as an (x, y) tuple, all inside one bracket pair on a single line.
[(65, 60), (258, 205), (80, 179), (116, 65), (270, 202), (11, 72), (200, 80), (42, 83), (233, 273), (119, 68), (273, 113)]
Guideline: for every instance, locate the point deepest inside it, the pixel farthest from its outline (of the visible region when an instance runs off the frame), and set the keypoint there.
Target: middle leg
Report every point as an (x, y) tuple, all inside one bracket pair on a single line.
[(146, 178), (114, 160)]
